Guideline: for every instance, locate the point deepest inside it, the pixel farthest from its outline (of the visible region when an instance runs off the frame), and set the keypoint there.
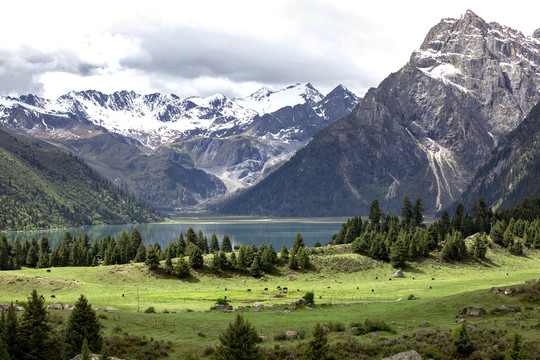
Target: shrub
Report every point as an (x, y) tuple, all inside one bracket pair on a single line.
[(150, 310), (222, 301), (335, 326), (309, 297), (372, 326)]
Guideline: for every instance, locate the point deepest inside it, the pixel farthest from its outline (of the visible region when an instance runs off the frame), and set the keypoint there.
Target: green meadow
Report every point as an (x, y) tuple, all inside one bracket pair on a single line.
[(348, 288)]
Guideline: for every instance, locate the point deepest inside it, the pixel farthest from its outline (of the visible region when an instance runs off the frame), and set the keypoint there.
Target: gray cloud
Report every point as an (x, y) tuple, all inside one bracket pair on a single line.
[(192, 53), (20, 68)]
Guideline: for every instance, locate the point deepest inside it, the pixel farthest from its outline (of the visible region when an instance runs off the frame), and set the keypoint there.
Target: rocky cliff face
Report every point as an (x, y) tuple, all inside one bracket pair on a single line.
[(423, 132)]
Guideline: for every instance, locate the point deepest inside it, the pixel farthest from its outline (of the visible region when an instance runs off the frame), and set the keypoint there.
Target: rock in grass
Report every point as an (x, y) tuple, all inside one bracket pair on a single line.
[(507, 309), (473, 310), (407, 355), (398, 274)]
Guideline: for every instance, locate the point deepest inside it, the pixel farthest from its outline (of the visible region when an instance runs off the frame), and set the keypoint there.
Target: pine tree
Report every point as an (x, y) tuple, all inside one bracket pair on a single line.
[(196, 259), (398, 253), (239, 342), (191, 237), (418, 213), (85, 351), (181, 269), (374, 213), (43, 261), (317, 348), (255, 269), (284, 255), (242, 257), (181, 245), (406, 211), (226, 244), (152, 258), (223, 262), (4, 355), (214, 244), (168, 262), (12, 334), (463, 342), (83, 325), (34, 328), (135, 241), (293, 262), (302, 259), (32, 256), (214, 264), (273, 253), (516, 351), (479, 248), (141, 254)]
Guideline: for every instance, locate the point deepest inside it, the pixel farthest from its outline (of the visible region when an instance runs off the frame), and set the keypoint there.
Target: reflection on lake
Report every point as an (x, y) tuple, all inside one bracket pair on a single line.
[(256, 232)]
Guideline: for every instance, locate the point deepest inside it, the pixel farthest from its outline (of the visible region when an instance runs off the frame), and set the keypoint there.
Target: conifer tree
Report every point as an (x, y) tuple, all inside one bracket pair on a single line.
[(223, 262), (302, 259), (83, 325), (181, 245), (12, 334), (418, 213), (462, 341), (34, 329), (214, 264), (374, 213), (226, 244), (181, 269), (272, 252), (406, 211), (4, 355), (516, 351), (284, 255), (255, 269), (85, 351), (317, 348), (141, 253), (239, 342), (152, 258), (168, 262), (214, 244), (479, 248), (196, 259), (293, 262), (135, 241), (233, 261), (398, 253)]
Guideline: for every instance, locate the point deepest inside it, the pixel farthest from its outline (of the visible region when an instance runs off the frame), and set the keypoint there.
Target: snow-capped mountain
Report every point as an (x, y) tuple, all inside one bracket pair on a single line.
[(238, 140)]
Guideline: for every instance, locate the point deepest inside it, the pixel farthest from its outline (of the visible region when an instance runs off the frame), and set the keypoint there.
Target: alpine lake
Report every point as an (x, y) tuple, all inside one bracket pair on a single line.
[(256, 231)]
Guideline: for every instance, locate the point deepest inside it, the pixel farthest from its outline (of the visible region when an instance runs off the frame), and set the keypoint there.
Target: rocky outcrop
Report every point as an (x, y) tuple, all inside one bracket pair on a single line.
[(407, 355), (398, 274), (473, 310), (423, 131)]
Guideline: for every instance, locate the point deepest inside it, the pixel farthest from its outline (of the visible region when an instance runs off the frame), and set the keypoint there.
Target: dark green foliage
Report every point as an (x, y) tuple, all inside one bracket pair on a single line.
[(293, 262), (214, 264), (284, 255), (479, 248), (399, 253), (83, 325), (406, 211), (131, 346), (45, 189), (226, 244), (85, 351), (298, 243), (4, 355), (317, 348), (214, 244), (196, 259), (239, 342), (34, 329), (168, 262), (516, 351), (150, 310), (152, 258), (462, 341), (12, 333), (181, 268), (309, 297), (222, 301), (374, 213), (370, 326), (181, 244), (454, 247), (302, 259), (255, 269), (141, 254)]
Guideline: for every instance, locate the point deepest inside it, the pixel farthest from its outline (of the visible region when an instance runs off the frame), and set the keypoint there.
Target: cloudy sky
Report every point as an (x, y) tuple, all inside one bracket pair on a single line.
[(234, 47)]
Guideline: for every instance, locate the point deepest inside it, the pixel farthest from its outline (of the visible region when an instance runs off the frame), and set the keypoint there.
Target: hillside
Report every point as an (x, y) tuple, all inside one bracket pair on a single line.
[(512, 172), (48, 188)]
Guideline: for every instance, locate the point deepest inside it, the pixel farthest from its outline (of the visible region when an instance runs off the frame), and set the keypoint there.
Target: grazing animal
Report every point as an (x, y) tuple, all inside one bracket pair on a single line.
[(357, 288), (430, 287), (225, 297), (320, 297), (122, 295), (390, 279), (53, 296), (279, 287), (249, 290), (413, 278), (225, 289), (297, 289), (48, 270), (285, 288), (328, 287), (372, 290), (265, 289), (432, 278), (376, 278)]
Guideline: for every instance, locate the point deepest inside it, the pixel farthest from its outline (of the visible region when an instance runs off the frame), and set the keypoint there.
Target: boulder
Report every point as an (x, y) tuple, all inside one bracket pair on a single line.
[(496, 290), (507, 308), (300, 301), (68, 307), (507, 291), (263, 337), (217, 307), (326, 329), (473, 310), (93, 357), (407, 355), (258, 305), (55, 306), (398, 274), (291, 334)]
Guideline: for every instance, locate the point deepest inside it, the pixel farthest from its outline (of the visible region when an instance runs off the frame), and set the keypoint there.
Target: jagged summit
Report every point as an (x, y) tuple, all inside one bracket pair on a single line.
[(536, 34)]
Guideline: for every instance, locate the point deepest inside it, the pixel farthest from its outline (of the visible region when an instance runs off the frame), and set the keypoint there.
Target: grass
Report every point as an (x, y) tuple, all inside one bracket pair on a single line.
[(354, 288)]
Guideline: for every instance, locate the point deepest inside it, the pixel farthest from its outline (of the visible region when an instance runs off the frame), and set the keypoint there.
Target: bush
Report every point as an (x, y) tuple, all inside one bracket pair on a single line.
[(150, 310), (309, 297), (373, 326), (222, 301), (335, 326)]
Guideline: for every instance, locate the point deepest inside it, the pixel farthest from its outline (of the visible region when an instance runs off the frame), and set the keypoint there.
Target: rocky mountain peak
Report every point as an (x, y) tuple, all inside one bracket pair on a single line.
[(536, 34)]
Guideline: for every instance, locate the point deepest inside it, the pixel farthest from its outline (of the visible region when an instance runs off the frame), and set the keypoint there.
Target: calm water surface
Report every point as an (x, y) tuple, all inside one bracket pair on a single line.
[(256, 232)]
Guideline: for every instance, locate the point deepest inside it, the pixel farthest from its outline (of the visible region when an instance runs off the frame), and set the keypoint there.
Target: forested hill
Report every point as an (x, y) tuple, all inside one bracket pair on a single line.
[(48, 188)]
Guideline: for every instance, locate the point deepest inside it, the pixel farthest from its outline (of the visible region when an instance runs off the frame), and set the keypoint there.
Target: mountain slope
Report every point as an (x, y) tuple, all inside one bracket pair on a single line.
[(423, 132), (48, 188), (512, 172), (177, 152)]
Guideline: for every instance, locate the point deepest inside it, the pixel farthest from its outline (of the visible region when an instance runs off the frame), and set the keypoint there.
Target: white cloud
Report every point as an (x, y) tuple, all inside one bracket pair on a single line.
[(234, 47)]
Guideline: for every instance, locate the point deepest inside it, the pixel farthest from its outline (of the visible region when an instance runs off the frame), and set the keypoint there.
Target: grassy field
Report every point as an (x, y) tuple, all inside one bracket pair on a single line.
[(348, 288)]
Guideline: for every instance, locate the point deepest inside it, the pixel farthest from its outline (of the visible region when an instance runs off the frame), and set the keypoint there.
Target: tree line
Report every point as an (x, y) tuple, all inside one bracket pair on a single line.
[(79, 251), (390, 238)]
